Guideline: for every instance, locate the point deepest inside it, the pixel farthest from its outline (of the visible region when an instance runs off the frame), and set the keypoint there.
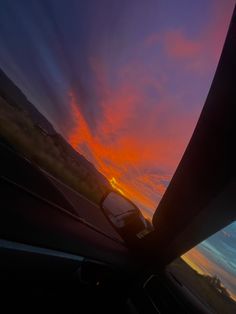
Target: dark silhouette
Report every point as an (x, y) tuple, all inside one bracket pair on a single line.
[(27, 131)]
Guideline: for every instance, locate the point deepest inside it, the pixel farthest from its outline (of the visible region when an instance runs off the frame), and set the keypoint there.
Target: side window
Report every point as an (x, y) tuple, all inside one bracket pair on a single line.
[(209, 270)]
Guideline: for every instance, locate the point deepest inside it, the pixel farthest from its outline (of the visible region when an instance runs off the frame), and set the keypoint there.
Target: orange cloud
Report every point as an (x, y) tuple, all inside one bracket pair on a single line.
[(134, 137), (119, 158), (143, 127)]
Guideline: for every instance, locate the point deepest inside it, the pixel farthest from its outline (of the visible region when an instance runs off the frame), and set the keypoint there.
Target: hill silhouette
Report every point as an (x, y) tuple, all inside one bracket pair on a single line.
[(32, 135)]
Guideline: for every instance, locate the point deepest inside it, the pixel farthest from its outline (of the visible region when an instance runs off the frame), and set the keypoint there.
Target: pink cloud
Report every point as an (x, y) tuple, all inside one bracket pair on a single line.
[(177, 45), (200, 53)]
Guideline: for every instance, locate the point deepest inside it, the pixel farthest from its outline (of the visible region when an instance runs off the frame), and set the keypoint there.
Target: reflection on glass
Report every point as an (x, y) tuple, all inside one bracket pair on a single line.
[(117, 205), (209, 270)]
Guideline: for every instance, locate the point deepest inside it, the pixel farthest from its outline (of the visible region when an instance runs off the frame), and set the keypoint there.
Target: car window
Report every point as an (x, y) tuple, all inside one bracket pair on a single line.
[(209, 270)]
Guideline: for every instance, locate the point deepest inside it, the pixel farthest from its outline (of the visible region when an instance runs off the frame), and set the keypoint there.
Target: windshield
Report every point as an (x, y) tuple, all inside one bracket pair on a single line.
[(123, 82)]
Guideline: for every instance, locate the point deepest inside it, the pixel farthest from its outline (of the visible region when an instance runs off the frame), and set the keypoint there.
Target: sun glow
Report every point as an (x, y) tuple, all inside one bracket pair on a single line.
[(116, 185)]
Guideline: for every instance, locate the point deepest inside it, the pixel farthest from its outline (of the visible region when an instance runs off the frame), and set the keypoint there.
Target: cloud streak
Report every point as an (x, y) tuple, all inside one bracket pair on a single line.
[(147, 104)]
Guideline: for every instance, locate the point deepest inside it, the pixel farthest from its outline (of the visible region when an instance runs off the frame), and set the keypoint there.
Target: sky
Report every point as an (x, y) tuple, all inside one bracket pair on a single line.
[(123, 81)]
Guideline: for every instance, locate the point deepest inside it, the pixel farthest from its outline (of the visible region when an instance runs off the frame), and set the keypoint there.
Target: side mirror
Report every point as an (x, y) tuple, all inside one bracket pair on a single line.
[(125, 216)]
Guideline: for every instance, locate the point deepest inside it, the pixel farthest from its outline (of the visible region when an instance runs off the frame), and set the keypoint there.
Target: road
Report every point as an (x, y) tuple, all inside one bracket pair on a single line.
[(17, 170)]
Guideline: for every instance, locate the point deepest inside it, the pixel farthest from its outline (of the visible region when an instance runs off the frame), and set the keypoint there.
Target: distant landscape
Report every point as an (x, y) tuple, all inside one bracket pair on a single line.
[(208, 289), (26, 130)]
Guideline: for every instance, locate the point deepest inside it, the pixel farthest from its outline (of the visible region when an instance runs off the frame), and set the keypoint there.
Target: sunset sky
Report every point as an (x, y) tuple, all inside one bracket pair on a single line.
[(123, 81)]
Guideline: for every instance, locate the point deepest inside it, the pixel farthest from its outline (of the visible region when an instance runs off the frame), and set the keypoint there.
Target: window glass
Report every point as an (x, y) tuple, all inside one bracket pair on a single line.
[(106, 94), (209, 270)]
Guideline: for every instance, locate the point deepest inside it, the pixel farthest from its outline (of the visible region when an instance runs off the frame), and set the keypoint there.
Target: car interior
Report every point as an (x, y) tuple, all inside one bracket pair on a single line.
[(52, 259)]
